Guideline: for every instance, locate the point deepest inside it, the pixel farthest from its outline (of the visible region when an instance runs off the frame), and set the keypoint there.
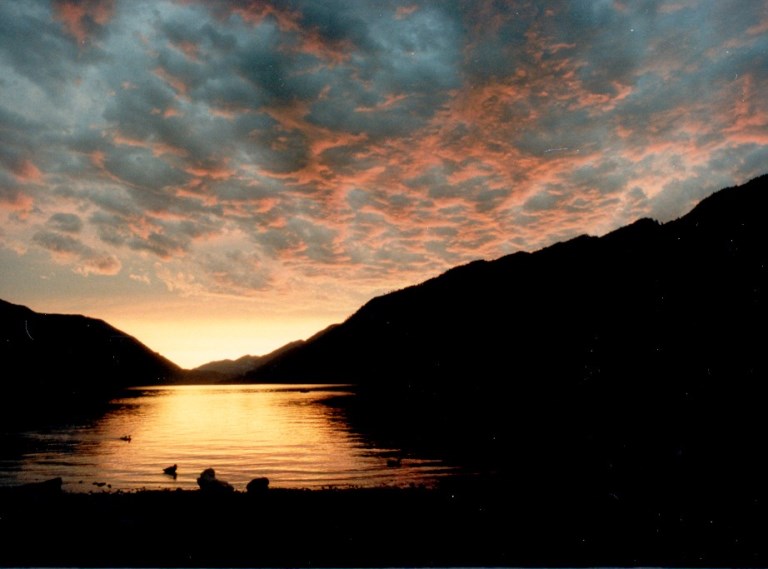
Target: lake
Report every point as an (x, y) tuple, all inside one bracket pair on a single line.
[(290, 434)]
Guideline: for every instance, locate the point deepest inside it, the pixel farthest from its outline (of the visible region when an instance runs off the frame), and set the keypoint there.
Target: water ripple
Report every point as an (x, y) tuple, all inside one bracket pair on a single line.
[(284, 433)]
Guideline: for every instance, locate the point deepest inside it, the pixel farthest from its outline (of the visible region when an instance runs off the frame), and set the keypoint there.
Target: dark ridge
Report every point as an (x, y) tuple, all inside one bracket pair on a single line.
[(70, 359), (617, 382), (237, 366), (550, 314), (236, 376)]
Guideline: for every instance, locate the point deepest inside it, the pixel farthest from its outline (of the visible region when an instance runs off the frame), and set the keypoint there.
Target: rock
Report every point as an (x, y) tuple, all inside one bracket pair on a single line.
[(210, 484), (257, 486), (171, 470), (48, 487)]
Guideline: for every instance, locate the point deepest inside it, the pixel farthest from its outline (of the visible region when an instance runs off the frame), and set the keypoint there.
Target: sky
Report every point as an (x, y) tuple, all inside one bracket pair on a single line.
[(220, 177)]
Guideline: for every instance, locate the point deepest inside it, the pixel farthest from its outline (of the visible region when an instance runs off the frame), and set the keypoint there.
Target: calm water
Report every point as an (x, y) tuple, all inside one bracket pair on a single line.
[(285, 433)]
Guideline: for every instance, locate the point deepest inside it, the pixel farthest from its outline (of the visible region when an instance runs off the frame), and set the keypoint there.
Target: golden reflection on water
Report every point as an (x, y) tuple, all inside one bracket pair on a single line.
[(285, 433)]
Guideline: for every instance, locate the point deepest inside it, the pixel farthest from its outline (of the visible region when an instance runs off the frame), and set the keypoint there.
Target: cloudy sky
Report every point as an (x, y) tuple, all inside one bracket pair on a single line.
[(220, 177)]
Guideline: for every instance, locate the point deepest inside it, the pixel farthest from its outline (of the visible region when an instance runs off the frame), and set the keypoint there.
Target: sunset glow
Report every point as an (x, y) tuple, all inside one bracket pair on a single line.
[(218, 178)]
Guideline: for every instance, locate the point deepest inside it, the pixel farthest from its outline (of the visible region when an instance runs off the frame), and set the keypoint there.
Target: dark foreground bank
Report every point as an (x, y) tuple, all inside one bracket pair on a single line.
[(461, 524)]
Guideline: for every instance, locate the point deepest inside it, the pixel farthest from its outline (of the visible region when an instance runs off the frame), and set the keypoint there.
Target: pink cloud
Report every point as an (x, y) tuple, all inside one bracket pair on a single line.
[(759, 29), (66, 249), (158, 148), (211, 172), (310, 40), (19, 204), (388, 102), (672, 7), (99, 264), (333, 53), (748, 120), (175, 83), (73, 14), (225, 113), (188, 48), (26, 171), (255, 12), (404, 11), (97, 158)]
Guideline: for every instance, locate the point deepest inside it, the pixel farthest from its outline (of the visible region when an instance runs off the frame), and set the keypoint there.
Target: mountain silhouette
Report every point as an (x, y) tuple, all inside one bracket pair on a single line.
[(238, 366), (67, 358), (645, 301), (228, 371), (618, 384)]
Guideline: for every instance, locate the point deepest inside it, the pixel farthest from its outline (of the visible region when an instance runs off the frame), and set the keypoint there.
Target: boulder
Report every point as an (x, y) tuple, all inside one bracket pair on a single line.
[(210, 484), (48, 487), (258, 486)]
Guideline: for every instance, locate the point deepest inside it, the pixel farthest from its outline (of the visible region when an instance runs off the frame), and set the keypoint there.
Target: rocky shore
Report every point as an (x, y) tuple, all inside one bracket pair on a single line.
[(462, 524)]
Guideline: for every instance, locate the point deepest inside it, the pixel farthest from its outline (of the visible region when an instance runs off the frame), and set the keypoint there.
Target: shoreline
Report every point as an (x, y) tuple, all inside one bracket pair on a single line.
[(465, 524)]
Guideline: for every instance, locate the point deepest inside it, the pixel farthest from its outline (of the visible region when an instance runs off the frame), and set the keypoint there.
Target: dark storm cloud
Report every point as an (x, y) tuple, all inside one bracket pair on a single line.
[(114, 201), (400, 77), (16, 123), (542, 201), (606, 177), (145, 175), (161, 245), (379, 58), (59, 243), (299, 237), (612, 42), (28, 41), (66, 222), (19, 142), (10, 191), (434, 180), (680, 195), (111, 229), (662, 102), (138, 107), (273, 146), (134, 228), (84, 20), (337, 22), (372, 140), (275, 79), (347, 159), (242, 70), (498, 46), (751, 159), (237, 271), (87, 260)]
